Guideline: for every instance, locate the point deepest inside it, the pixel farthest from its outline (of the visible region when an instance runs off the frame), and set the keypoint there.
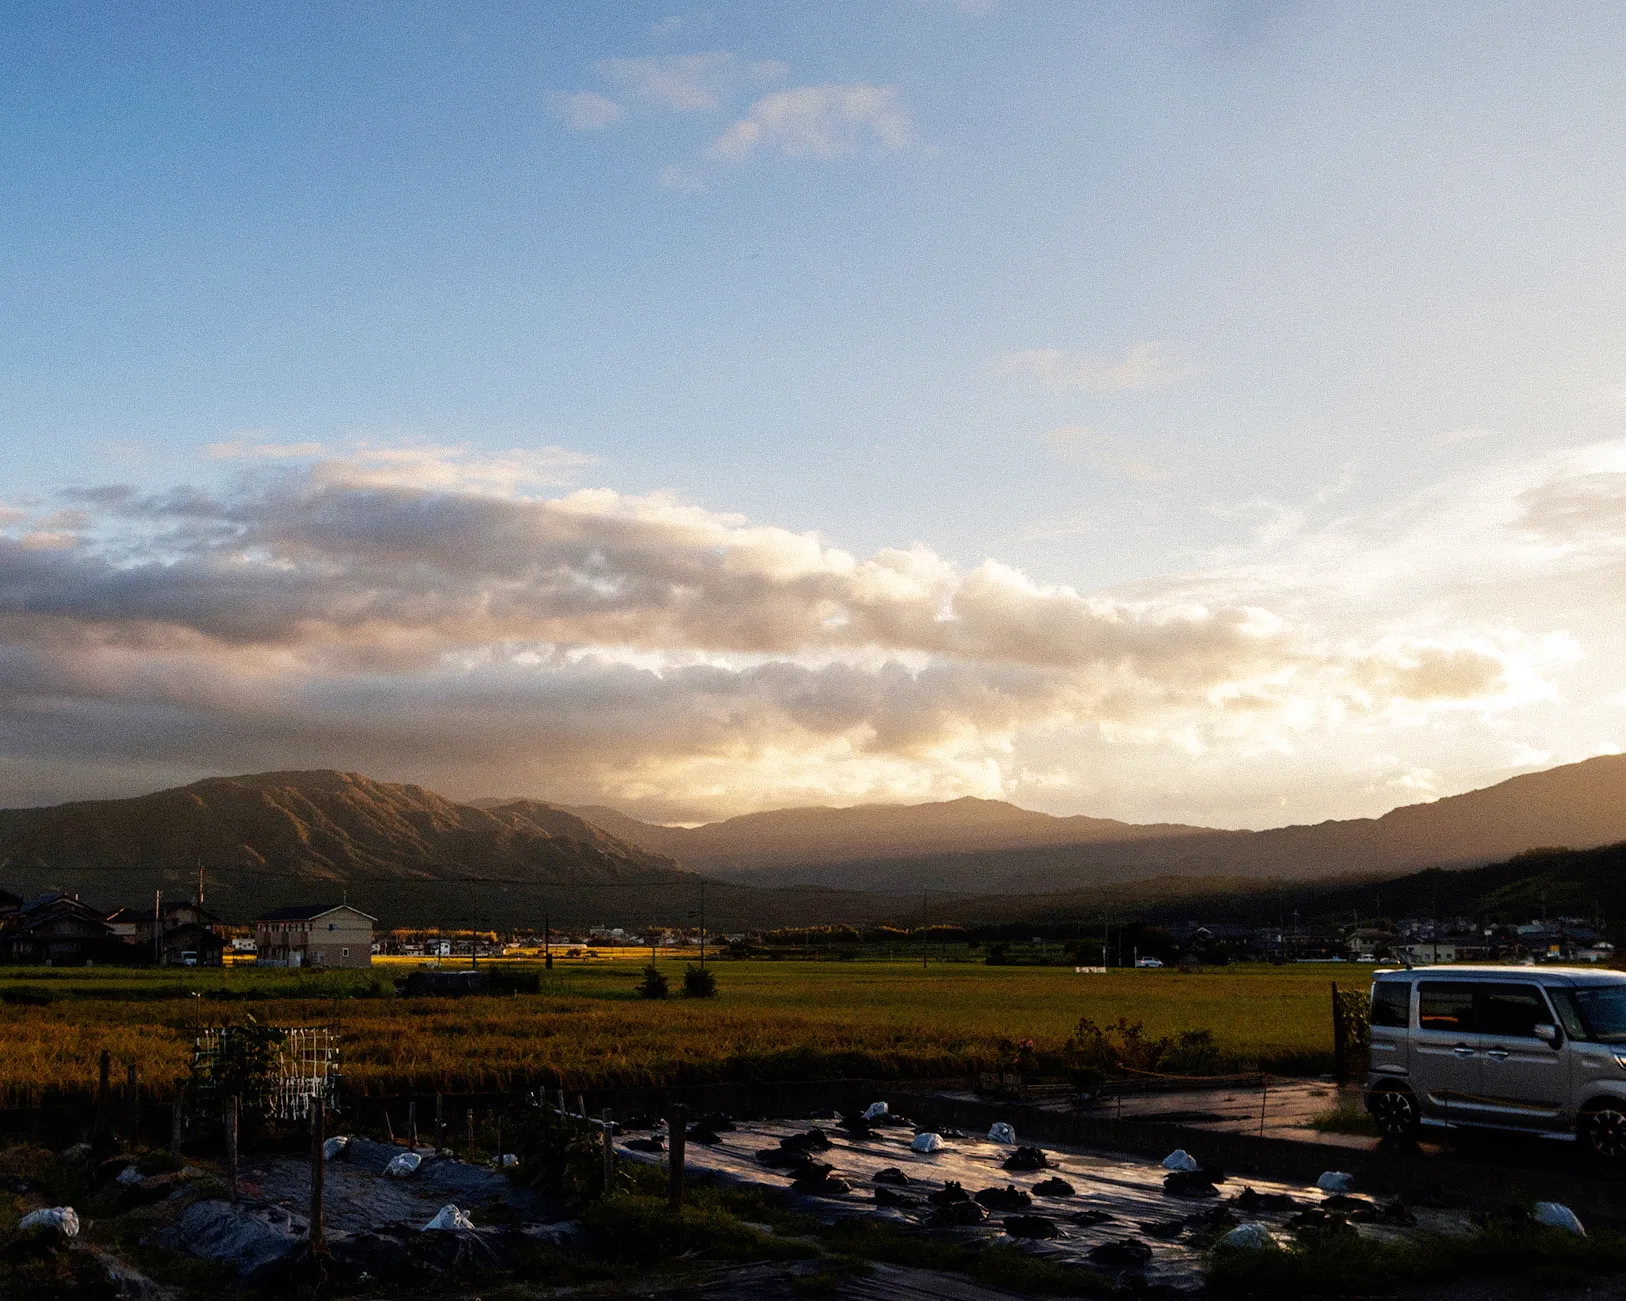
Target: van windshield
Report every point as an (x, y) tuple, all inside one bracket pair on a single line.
[(1604, 1010)]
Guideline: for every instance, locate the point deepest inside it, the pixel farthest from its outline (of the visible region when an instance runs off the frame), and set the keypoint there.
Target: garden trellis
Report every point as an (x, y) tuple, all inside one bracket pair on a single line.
[(280, 1070)]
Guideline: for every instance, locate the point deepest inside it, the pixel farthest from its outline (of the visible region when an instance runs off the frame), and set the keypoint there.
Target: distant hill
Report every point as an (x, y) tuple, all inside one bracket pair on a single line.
[(988, 847), (867, 832), (321, 824), (402, 853)]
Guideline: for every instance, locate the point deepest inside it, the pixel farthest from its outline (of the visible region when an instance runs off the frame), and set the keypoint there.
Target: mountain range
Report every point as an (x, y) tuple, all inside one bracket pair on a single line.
[(414, 856), (990, 847)]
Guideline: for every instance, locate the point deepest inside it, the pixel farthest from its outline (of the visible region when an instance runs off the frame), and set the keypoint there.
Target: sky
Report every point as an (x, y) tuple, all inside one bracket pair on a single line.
[(1210, 412)]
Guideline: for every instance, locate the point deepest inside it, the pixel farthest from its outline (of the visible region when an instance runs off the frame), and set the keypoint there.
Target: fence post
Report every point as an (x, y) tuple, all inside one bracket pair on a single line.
[(103, 1121), (412, 1124), (677, 1120), (132, 1104), (609, 1154), (318, 1171), (468, 1125), (176, 1120), (233, 1114), (440, 1121)]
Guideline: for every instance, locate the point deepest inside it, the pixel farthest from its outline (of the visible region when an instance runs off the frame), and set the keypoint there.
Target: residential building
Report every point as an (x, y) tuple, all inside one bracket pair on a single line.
[(322, 935), (58, 930)]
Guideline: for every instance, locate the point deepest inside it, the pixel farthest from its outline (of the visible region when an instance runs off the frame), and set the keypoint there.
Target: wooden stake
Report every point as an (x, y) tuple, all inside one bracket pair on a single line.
[(440, 1121), (176, 1120), (609, 1154), (389, 1125), (412, 1125), (468, 1124), (318, 1170)]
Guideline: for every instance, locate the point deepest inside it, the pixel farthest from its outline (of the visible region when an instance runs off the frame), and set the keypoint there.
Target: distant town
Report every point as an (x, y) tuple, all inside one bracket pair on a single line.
[(62, 930)]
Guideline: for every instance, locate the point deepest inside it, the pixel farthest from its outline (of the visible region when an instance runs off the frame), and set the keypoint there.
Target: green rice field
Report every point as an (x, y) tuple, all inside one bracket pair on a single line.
[(587, 1028)]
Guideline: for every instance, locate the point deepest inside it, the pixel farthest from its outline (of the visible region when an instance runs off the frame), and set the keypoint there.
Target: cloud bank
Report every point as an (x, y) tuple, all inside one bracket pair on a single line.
[(432, 614)]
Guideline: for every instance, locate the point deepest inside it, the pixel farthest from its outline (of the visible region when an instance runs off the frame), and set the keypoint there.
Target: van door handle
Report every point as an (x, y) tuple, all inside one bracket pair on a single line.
[(1498, 1053), (1462, 1050)]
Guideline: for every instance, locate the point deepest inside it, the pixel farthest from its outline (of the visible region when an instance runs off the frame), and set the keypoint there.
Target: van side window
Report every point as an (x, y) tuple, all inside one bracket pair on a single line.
[(1391, 1004), (1445, 1005), (1513, 1011)]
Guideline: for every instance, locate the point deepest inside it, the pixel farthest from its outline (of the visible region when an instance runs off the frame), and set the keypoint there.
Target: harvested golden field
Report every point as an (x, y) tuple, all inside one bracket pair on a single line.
[(771, 1020)]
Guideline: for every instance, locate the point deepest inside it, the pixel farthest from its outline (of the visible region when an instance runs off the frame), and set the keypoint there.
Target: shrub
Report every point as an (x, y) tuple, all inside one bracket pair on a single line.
[(1095, 1052), (699, 983), (653, 984)]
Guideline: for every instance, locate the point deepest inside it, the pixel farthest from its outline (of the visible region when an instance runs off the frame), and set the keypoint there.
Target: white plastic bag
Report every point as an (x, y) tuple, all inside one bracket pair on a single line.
[(449, 1217), (54, 1217), (335, 1147), (1181, 1160), (875, 1110), (402, 1166), (1555, 1215), (926, 1143), (1249, 1237), (507, 1161), (129, 1175), (1000, 1132), (1335, 1181)]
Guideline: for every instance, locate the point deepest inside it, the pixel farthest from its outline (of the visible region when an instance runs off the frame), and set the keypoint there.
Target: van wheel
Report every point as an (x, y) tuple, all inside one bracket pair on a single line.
[(1395, 1111), (1603, 1129)]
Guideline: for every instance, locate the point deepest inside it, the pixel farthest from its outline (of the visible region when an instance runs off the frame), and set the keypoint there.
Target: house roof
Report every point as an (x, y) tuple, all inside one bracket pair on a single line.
[(310, 912)]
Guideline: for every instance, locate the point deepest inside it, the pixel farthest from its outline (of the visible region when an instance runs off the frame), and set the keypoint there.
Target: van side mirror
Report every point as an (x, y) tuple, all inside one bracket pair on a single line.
[(1548, 1034)]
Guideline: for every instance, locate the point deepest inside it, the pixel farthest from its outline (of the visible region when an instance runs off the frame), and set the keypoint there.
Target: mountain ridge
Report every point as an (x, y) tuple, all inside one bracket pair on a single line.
[(319, 824), (1581, 804)]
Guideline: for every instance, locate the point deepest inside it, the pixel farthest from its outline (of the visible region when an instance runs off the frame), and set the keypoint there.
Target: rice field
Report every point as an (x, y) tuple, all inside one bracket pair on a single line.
[(771, 1020)]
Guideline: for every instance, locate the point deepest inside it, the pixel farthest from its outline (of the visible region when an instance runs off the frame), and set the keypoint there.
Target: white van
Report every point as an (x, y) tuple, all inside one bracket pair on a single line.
[(1539, 1050)]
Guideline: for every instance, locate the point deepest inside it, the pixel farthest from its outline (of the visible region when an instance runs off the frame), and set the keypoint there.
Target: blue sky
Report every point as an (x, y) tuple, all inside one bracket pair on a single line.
[(1165, 307)]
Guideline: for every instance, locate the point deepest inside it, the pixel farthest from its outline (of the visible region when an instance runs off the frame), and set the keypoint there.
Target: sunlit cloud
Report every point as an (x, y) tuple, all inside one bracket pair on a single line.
[(450, 614)]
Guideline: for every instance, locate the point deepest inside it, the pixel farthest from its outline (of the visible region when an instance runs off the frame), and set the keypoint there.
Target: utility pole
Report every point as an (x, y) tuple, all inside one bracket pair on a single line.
[(547, 934), (923, 930), (157, 926), (702, 923), (200, 888)]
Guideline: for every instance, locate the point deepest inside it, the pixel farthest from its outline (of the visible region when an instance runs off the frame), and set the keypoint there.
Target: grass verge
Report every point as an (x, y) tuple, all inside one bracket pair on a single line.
[(1349, 1265)]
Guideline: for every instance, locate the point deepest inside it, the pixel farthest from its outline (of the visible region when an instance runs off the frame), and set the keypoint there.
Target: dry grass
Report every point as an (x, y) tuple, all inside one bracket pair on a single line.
[(785, 1020)]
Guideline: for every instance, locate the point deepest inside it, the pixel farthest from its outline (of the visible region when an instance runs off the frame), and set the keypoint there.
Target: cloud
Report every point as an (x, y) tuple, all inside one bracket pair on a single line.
[(586, 110), (451, 616), (1075, 440), (241, 449), (689, 83), (1062, 371), (819, 122)]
